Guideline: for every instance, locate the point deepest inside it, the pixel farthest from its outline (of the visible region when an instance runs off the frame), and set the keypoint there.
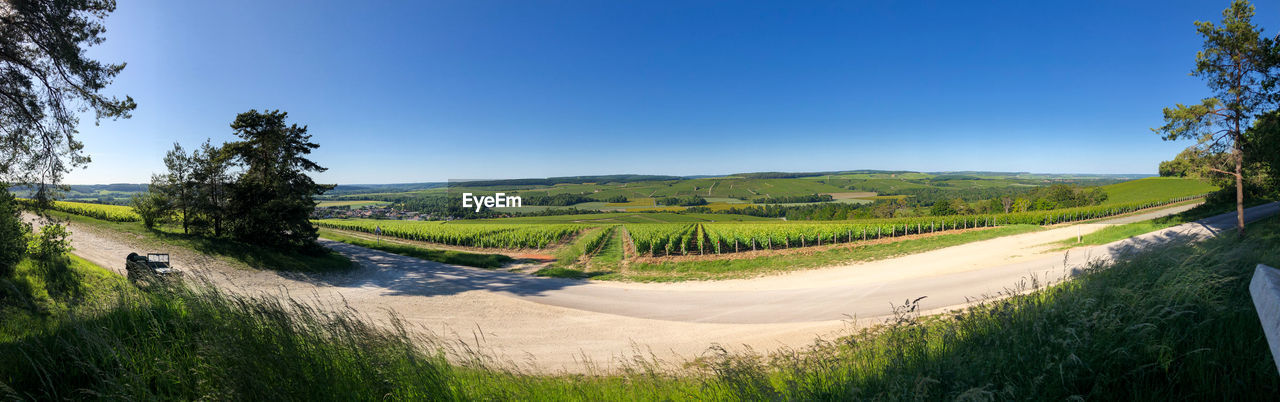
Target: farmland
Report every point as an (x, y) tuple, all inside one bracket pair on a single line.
[(673, 233), (113, 213), (643, 193), (1154, 188), (724, 237), (509, 236), (632, 237)]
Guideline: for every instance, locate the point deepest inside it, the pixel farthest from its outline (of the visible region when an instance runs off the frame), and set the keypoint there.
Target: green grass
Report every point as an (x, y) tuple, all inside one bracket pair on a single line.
[(444, 256), (1118, 232), (165, 238), (35, 293), (750, 267), (569, 261), (1125, 231), (1155, 188), (1175, 323), (609, 258)]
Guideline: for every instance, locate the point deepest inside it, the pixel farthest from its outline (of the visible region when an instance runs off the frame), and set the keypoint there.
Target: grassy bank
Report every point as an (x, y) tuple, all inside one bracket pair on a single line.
[(1125, 231), (166, 237), (1175, 323), (731, 268), (444, 256), (36, 293)]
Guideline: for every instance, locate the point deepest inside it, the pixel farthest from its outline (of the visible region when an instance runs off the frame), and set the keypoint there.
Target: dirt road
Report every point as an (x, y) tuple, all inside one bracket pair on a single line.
[(559, 323)]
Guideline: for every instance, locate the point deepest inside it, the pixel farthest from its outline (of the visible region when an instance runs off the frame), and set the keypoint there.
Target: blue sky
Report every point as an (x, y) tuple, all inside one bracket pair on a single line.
[(437, 90)]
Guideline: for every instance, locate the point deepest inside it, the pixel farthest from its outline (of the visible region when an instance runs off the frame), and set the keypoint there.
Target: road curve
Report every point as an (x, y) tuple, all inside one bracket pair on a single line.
[(947, 277)]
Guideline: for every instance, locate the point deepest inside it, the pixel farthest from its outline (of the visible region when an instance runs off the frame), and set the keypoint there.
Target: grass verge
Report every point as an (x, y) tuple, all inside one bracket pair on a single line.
[(748, 267), (35, 293), (1174, 323), (572, 259), (444, 256), (1125, 231), (163, 238)]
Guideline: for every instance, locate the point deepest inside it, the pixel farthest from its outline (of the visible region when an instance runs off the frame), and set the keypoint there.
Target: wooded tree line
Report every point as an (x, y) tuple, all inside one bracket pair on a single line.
[(794, 199), (683, 201), (256, 189), (932, 195), (558, 200)]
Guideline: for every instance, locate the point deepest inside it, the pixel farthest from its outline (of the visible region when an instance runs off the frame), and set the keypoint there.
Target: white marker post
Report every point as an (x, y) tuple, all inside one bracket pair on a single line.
[(1264, 288)]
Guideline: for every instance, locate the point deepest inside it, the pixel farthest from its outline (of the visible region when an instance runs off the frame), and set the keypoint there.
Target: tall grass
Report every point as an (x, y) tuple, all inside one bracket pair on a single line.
[(1175, 323), (180, 343)]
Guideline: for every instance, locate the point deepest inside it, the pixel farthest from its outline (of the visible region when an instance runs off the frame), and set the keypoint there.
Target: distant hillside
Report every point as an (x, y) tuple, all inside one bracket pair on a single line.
[(793, 175), (551, 181), (350, 189), (95, 188), (116, 193)]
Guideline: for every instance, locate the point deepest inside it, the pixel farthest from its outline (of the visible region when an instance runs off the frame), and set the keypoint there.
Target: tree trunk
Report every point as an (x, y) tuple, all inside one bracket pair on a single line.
[(1239, 187)]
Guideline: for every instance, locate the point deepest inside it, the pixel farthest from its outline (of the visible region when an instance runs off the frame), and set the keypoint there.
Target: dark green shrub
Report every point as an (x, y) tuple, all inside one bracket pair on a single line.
[(13, 234)]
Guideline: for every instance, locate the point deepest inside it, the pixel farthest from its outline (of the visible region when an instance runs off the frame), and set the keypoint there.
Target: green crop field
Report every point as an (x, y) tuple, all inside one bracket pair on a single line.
[(621, 217), (725, 237), (114, 213), (1155, 188), (509, 236)]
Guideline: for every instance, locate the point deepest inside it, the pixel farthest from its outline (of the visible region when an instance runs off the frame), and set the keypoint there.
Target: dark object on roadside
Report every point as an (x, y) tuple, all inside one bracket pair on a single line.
[(151, 266)]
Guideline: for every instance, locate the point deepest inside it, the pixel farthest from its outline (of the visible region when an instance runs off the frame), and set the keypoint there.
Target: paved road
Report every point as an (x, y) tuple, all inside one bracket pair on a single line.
[(948, 277)]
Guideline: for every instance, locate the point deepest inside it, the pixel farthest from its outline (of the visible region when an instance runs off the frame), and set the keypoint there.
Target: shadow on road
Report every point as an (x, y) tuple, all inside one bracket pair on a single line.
[(408, 276)]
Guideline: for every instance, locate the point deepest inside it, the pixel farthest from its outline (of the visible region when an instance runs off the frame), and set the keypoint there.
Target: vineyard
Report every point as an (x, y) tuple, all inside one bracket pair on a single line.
[(730, 237), (114, 213), (497, 235), (662, 239)]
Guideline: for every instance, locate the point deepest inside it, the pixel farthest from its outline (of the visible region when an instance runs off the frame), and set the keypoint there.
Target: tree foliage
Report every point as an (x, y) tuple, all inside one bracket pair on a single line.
[(1186, 164), (1238, 65), (274, 196), (46, 80), (684, 201), (1263, 149), (176, 184), (13, 233), (153, 207), (212, 178)]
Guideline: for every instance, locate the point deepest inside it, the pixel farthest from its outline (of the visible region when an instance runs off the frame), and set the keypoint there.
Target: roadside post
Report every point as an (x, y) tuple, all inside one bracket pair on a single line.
[(1265, 290)]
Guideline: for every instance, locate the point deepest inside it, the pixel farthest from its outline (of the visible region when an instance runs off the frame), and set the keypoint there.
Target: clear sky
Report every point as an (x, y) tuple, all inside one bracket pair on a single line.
[(438, 90)]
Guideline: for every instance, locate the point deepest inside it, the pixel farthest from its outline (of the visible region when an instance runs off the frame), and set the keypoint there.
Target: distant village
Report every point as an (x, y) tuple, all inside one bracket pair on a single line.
[(371, 212)]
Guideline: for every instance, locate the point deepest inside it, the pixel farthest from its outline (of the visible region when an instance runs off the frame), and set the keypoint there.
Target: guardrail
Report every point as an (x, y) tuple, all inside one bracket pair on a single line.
[(1265, 290)]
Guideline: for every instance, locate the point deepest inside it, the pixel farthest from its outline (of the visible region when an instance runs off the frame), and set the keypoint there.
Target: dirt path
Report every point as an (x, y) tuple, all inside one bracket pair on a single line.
[(560, 323)]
